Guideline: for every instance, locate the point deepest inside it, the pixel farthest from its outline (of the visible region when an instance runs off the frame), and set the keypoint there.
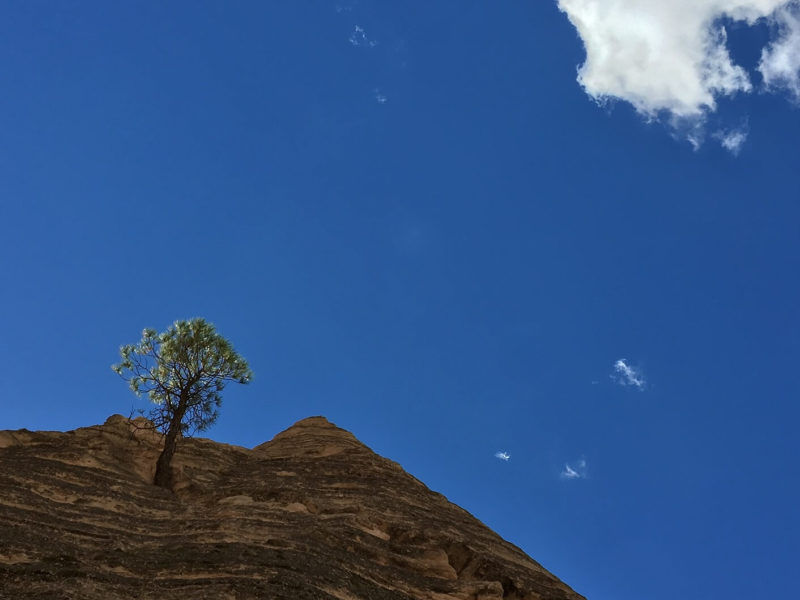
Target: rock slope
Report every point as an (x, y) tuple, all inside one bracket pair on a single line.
[(312, 514)]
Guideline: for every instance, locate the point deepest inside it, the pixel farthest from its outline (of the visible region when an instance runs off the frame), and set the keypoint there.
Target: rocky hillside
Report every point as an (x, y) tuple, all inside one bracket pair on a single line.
[(312, 514)]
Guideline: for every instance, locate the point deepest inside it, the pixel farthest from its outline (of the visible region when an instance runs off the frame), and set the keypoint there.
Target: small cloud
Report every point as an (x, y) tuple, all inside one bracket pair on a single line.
[(503, 456), (732, 140), (379, 97), (359, 38), (574, 472), (626, 375)]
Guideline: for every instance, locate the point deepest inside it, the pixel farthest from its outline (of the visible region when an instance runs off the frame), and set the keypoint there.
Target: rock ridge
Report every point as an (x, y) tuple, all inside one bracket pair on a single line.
[(311, 514)]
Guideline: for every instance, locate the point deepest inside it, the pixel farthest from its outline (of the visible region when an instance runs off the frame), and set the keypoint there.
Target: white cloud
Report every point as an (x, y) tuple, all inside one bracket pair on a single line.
[(780, 60), (502, 455), (380, 98), (670, 57), (733, 139), (626, 375), (579, 471), (359, 38)]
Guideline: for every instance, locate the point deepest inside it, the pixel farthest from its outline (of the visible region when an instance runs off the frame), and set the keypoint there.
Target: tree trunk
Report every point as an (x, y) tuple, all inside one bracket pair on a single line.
[(163, 477)]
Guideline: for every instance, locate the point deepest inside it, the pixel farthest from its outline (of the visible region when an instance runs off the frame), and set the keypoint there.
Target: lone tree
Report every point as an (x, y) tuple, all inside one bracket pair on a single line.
[(182, 371)]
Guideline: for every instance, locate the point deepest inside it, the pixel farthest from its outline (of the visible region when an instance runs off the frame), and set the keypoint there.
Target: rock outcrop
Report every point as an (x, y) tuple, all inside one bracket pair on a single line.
[(312, 514)]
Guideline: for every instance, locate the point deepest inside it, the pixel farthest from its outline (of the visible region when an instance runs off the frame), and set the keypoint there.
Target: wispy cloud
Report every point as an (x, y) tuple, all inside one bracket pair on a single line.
[(733, 139), (359, 38), (780, 60), (380, 98), (502, 455), (578, 471), (670, 57), (626, 375)]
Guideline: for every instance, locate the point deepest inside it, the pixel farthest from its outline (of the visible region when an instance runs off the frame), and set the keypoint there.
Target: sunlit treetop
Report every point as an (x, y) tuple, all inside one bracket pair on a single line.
[(182, 371)]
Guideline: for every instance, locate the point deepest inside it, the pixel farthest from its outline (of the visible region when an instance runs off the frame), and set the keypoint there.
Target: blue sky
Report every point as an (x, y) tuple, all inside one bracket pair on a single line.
[(415, 220)]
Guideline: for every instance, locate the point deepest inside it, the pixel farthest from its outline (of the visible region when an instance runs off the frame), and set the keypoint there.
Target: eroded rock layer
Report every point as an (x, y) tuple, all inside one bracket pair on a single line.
[(312, 514)]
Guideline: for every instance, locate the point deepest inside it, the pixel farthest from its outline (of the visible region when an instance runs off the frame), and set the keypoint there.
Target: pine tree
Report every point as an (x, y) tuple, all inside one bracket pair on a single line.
[(182, 371)]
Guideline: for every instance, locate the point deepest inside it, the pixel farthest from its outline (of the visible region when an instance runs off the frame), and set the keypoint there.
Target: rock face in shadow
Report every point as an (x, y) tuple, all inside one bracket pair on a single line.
[(312, 514)]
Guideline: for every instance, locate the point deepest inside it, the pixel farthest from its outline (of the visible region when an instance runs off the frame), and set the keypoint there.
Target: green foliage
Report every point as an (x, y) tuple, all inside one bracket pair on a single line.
[(182, 371)]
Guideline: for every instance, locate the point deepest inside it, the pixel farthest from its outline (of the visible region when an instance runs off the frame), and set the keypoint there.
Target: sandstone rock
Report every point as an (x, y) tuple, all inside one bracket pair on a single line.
[(312, 514)]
